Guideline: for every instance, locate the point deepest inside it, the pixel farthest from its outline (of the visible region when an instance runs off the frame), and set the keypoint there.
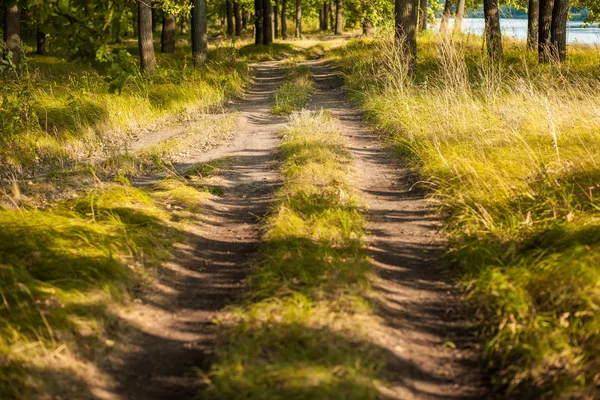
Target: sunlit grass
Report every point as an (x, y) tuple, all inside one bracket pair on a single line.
[(511, 154), (302, 329), (294, 93), (67, 266)]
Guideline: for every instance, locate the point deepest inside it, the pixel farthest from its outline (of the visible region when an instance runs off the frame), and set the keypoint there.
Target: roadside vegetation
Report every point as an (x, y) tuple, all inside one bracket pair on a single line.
[(302, 330), (510, 152)]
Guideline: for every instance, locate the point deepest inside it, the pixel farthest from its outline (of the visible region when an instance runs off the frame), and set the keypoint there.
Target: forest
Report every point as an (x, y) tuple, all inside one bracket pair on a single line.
[(303, 199)]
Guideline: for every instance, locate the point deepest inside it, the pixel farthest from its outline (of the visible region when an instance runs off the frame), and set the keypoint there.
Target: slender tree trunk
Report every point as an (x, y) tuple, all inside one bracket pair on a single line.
[(445, 17), (558, 30), (12, 31), (199, 32), (184, 21), (544, 27), (406, 29), (145, 39), (533, 21), (460, 13), (321, 18), (325, 16), (258, 21), (168, 34), (229, 11), (284, 34), (493, 38), (154, 16), (368, 28), (423, 16), (41, 42), (298, 19), (245, 18), (331, 15), (238, 18), (276, 19), (339, 13), (267, 23)]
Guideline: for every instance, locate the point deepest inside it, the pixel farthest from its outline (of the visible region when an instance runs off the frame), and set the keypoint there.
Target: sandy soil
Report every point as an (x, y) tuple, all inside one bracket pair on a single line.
[(173, 318)]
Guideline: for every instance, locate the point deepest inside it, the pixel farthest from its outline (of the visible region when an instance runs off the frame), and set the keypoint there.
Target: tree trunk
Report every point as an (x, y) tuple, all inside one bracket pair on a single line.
[(406, 29), (368, 28), (245, 18), (154, 16), (267, 23), (321, 18), (199, 32), (460, 13), (276, 19), (445, 17), (533, 21), (493, 38), (284, 34), (229, 11), (258, 21), (325, 16), (331, 15), (558, 30), (145, 39), (423, 16), (298, 19), (238, 18), (339, 13), (168, 35), (544, 27), (41, 42), (184, 21), (12, 31)]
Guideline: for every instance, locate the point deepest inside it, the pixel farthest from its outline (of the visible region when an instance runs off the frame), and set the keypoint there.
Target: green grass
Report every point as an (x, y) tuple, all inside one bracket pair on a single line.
[(301, 331), (510, 152), (295, 92)]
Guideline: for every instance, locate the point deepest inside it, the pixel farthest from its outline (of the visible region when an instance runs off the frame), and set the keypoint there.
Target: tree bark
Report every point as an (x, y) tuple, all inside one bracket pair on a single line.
[(41, 43), (168, 35), (321, 18), (405, 13), (558, 30), (423, 16), (368, 28), (284, 34), (145, 39), (12, 31), (544, 29), (298, 19), (238, 18), (258, 21), (339, 13), (199, 32), (493, 38), (245, 18), (276, 19), (229, 11), (267, 23), (460, 13), (445, 17), (533, 21)]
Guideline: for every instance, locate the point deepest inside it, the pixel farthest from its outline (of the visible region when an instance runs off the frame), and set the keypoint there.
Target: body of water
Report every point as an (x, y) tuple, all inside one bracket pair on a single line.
[(517, 28)]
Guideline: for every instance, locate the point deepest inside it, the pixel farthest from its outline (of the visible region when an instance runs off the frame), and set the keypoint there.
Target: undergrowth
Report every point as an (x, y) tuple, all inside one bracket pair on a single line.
[(301, 331), (510, 151)]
